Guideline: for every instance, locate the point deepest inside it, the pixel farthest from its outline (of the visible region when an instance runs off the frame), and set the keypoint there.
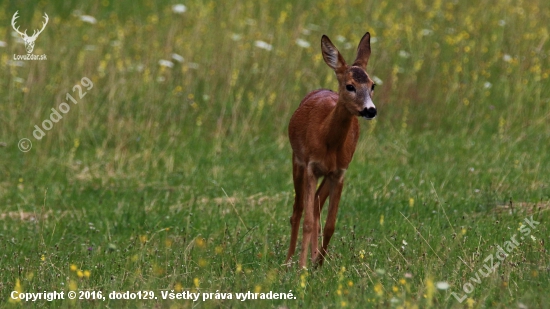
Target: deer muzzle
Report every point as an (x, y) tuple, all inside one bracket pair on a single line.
[(368, 113)]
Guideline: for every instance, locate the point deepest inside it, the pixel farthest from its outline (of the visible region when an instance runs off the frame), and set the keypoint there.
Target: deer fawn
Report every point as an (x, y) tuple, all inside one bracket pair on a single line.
[(323, 134)]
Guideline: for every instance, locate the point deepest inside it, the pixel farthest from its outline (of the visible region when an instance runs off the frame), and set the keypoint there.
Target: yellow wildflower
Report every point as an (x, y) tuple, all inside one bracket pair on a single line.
[(378, 289), (17, 288)]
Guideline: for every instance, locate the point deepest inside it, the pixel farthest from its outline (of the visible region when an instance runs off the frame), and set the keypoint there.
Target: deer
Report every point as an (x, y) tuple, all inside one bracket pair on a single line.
[(29, 40), (323, 133)]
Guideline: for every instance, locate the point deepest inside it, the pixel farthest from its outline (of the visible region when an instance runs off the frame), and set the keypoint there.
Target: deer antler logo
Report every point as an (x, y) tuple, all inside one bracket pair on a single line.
[(29, 40)]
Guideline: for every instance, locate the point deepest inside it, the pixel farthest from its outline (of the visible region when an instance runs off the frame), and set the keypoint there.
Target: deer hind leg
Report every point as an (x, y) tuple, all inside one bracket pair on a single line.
[(320, 198), (298, 176), (336, 186)]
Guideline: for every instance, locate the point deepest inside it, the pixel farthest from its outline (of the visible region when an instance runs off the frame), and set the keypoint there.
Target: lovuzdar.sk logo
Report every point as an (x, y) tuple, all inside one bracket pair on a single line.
[(29, 40)]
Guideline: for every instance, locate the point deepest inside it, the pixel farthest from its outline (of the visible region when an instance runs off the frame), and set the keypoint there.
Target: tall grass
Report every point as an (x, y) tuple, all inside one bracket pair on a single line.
[(176, 175)]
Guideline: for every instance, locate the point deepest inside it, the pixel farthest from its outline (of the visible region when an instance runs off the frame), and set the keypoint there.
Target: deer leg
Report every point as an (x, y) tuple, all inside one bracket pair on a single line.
[(310, 184), (320, 198), (298, 176), (336, 186)]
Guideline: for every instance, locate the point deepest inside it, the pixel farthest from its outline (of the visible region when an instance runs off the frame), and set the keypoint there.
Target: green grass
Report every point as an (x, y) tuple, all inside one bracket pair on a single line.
[(180, 178)]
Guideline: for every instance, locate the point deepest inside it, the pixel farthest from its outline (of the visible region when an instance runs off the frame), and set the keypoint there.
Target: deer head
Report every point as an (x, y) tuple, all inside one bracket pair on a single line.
[(29, 40), (355, 86)]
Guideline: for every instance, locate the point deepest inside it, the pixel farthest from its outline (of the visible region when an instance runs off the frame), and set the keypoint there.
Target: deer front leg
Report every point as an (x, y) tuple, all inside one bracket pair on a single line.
[(320, 198), (336, 186), (310, 183), (298, 177)]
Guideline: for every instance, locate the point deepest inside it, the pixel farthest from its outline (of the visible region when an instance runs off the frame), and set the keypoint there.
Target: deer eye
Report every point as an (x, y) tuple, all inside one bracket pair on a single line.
[(372, 88), (350, 88)]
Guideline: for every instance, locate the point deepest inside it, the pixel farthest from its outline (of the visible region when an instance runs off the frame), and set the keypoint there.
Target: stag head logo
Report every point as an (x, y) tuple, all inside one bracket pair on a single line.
[(29, 40)]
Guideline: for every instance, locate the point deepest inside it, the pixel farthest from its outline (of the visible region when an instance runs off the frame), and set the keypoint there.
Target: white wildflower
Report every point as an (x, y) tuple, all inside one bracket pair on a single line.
[(177, 57), (426, 32), (16, 63), (236, 37), (313, 27), (179, 8), (88, 19), (340, 38), (263, 45), (404, 54), (302, 43), (166, 63), (377, 80)]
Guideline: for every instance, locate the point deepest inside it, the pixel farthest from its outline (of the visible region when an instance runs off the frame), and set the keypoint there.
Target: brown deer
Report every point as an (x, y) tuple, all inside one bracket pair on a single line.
[(323, 134)]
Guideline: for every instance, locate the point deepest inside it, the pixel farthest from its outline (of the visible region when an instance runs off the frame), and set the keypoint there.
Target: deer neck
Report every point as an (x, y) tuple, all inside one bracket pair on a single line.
[(338, 126)]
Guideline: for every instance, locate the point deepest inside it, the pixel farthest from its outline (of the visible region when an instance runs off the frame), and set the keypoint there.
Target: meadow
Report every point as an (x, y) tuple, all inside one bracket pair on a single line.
[(173, 172)]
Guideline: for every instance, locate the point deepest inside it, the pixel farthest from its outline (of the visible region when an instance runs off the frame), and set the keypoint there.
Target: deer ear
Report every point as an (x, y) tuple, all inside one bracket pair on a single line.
[(363, 52), (331, 54)]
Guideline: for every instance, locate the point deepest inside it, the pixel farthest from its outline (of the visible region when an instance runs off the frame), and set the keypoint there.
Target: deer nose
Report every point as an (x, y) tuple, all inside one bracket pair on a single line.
[(368, 113)]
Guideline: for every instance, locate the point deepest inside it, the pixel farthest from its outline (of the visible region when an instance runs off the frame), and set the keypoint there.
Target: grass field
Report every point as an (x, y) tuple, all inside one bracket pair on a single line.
[(173, 172)]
